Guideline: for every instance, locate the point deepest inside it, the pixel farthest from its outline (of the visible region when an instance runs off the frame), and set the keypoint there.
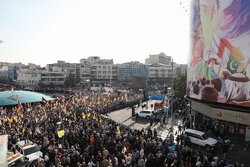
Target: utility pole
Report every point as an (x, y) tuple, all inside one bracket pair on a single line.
[(110, 76), (172, 87)]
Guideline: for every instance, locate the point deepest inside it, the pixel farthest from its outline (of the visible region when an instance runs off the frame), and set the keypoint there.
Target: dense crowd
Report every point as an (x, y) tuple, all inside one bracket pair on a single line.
[(92, 140)]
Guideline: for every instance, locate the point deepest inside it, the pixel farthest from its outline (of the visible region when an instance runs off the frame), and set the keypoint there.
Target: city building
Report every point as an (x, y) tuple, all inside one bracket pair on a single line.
[(4, 74), (127, 70), (28, 78), (80, 71), (160, 73), (52, 78), (12, 70), (103, 71), (181, 68), (158, 58), (219, 82)]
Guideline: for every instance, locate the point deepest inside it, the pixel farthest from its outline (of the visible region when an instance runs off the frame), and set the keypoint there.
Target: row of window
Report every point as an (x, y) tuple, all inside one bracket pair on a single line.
[(53, 74), (28, 81), (52, 79)]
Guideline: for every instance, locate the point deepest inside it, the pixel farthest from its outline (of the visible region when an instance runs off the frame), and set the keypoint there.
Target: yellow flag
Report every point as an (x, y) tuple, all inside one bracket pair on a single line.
[(75, 114), (64, 110), (89, 115), (83, 116), (100, 121), (56, 103), (9, 124), (0, 122), (94, 116), (19, 119), (73, 102), (15, 118), (118, 131), (23, 130), (60, 133)]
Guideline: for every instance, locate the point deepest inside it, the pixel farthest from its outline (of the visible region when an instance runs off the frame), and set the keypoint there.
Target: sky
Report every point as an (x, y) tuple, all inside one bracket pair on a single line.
[(44, 31)]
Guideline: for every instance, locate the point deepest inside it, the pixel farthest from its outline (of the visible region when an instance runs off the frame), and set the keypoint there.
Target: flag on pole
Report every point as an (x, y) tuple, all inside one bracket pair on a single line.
[(23, 130), (19, 103), (83, 116), (43, 99), (1, 122), (12, 88), (94, 116), (124, 150)]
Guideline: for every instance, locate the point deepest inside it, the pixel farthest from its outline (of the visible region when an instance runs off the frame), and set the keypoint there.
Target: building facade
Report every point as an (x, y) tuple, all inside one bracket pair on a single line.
[(80, 71), (12, 71), (52, 78), (28, 78), (218, 73), (128, 70), (158, 58), (160, 73), (103, 71), (181, 68), (4, 74)]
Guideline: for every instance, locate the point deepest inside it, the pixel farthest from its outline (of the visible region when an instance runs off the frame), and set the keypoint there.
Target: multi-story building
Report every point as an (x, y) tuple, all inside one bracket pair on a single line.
[(52, 78), (181, 68), (12, 70), (102, 70), (28, 77), (80, 71), (4, 74), (127, 70), (158, 58), (160, 73)]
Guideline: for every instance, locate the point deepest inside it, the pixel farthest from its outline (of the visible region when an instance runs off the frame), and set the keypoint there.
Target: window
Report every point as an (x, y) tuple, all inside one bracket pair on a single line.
[(31, 150)]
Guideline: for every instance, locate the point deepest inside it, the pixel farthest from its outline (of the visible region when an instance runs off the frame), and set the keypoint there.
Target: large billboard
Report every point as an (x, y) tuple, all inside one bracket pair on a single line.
[(219, 61)]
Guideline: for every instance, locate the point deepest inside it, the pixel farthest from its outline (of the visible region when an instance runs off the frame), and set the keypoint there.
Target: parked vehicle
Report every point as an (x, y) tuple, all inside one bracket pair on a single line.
[(145, 114), (200, 138), (30, 150)]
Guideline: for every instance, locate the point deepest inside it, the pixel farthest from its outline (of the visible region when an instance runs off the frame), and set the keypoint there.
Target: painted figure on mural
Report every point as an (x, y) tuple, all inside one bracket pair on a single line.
[(219, 64)]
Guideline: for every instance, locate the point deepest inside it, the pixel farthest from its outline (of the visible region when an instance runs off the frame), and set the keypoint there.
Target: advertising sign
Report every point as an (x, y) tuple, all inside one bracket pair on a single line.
[(219, 61)]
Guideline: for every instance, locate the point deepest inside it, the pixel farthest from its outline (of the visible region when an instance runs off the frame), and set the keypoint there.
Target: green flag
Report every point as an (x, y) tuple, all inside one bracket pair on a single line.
[(232, 64)]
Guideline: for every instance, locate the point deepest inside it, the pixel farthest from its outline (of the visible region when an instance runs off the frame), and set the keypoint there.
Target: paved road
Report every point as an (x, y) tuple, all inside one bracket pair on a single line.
[(124, 116)]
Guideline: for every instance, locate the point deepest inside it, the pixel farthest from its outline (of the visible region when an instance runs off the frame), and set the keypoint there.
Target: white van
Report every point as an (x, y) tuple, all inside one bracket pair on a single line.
[(200, 138)]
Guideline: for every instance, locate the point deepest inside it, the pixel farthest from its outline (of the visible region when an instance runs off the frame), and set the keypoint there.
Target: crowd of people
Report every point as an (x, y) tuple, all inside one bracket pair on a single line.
[(93, 140)]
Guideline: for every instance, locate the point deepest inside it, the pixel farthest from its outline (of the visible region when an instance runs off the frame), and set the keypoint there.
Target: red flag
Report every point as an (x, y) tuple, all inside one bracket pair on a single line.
[(43, 99), (12, 87), (19, 103), (91, 139)]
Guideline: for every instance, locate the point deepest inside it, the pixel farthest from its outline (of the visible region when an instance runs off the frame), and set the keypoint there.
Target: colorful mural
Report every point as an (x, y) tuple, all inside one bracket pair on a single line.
[(219, 62)]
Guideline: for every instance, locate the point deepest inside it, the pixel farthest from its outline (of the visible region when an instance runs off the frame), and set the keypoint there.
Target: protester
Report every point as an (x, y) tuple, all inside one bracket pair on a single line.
[(89, 138)]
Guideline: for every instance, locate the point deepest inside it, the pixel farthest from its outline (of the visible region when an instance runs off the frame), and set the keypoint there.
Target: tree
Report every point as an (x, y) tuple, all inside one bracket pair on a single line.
[(70, 80), (180, 84)]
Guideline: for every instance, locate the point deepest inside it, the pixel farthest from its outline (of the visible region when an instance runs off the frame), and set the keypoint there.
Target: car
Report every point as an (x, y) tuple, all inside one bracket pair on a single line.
[(145, 114), (30, 150), (200, 138)]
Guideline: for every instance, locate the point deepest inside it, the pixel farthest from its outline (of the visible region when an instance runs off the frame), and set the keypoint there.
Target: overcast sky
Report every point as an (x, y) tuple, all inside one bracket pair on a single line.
[(44, 31)]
